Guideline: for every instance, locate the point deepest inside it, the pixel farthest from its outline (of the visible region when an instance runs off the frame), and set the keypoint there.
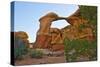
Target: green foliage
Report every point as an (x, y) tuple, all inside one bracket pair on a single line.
[(77, 48), (36, 54), (81, 27), (89, 13), (20, 48)]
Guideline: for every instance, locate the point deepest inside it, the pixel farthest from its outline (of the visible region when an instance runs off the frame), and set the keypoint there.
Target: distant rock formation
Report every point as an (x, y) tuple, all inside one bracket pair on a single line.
[(23, 36)]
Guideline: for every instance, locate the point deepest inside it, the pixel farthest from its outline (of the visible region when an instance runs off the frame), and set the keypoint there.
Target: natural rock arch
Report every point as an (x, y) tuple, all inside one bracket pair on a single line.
[(45, 32)]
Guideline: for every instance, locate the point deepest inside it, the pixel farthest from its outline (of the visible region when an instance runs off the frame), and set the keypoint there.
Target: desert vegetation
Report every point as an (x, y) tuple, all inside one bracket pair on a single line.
[(80, 50), (36, 54), (20, 49), (83, 48)]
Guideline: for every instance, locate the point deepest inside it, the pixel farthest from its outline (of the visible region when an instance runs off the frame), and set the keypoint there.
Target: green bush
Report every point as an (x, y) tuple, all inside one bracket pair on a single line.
[(90, 13), (19, 52), (20, 49), (36, 54), (77, 48)]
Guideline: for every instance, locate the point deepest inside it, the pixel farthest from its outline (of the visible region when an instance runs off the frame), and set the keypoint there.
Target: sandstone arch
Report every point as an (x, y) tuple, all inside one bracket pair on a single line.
[(45, 32)]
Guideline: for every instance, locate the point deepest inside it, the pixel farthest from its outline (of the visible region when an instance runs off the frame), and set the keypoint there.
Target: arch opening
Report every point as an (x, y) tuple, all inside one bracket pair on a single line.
[(59, 24)]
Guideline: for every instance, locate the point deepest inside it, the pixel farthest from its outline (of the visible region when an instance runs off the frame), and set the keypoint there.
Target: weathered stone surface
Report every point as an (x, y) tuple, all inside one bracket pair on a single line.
[(42, 41), (45, 23), (57, 47), (79, 29), (56, 35), (76, 21)]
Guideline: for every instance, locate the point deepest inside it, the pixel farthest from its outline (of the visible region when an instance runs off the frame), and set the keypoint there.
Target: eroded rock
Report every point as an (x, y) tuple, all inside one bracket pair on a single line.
[(53, 38), (46, 35)]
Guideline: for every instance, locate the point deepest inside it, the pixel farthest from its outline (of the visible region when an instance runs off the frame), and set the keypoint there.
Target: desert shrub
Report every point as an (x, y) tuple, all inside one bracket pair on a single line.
[(81, 27), (36, 54), (20, 48), (77, 48)]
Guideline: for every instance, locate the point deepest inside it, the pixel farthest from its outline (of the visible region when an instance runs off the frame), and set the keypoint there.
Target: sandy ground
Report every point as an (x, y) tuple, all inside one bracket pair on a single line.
[(44, 60)]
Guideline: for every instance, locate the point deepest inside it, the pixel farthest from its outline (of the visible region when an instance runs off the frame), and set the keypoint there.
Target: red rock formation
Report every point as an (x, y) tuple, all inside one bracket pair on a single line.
[(45, 34), (42, 41), (22, 35), (52, 38), (57, 47)]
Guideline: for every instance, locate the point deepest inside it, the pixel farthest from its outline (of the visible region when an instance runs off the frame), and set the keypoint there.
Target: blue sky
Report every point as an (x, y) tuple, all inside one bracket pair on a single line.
[(27, 16)]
